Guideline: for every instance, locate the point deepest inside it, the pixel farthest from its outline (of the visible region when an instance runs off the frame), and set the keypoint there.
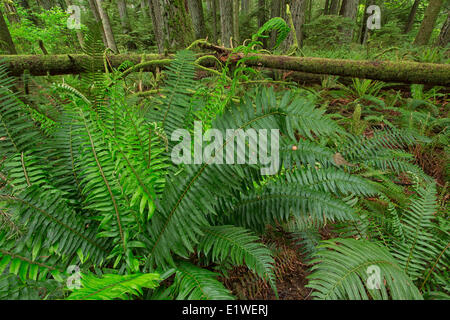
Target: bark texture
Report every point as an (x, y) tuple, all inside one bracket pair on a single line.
[(275, 11), (428, 23), (181, 31), (236, 8), (444, 36), (349, 10), (298, 10), (198, 19), (226, 22), (158, 23)]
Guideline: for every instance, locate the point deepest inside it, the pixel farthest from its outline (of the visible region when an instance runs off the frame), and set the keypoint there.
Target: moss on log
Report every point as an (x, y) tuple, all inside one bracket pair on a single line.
[(405, 71), (402, 72)]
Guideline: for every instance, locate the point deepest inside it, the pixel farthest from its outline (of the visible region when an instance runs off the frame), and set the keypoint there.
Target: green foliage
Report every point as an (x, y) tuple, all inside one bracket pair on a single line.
[(96, 189), (48, 26), (114, 286), (274, 24), (326, 31), (343, 268)]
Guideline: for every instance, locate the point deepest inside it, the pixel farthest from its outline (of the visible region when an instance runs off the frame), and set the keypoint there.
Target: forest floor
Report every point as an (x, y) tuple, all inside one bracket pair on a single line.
[(291, 270)]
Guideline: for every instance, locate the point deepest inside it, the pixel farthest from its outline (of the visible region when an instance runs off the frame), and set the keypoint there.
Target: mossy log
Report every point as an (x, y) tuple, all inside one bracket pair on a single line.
[(402, 72)]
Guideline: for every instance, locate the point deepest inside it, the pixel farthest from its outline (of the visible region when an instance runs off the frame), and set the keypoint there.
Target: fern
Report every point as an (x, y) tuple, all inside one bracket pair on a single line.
[(114, 286), (194, 283), (277, 24), (342, 272), (237, 244)]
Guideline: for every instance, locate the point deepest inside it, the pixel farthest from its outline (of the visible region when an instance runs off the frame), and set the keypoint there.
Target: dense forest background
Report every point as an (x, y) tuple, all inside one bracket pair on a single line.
[(94, 93), (323, 28)]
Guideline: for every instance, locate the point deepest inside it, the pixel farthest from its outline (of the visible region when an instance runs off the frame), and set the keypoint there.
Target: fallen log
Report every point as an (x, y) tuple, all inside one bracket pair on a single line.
[(403, 72)]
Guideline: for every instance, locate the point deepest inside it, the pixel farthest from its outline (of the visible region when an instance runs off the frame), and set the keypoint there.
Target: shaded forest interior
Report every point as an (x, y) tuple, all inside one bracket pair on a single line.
[(99, 198)]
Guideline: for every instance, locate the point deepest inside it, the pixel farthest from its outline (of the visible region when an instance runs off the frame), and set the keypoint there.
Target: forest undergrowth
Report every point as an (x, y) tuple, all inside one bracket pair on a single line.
[(87, 184)]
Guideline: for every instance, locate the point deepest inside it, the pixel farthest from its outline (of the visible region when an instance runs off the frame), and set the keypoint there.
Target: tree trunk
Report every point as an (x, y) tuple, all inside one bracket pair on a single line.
[(245, 5), (125, 22), (444, 36), (106, 27), (326, 8), (412, 16), (198, 19), (214, 5), (226, 22), (158, 23), (262, 16), (388, 71), (275, 11), (429, 20), (98, 20), (310, 6), (180, 27), (6, 43), (298, 11), (334, 7), (349, 10), (364, 31), (236, 21)]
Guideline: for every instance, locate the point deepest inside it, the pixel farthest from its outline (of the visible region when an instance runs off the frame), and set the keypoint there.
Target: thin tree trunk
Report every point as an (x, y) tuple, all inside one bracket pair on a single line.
[(106, 27), (334, 7), (236, 21), (444, 36), (6, 43), (158, 23), (310, 6), (98, 20), (214, 5), (226, 22), (412, 16), (198, 19), (125, 22), (326, 8), (364, 31), (428, 23)]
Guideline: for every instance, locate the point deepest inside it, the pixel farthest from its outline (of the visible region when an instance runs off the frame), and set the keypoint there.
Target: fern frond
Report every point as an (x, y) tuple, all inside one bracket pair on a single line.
[(114, 286), (277, 24), (342, 272), (194, 283), (238, 244)]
